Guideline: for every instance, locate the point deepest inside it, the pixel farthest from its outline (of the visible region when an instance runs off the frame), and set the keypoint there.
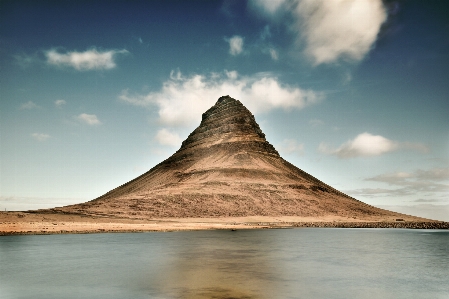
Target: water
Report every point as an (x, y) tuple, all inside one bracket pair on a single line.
[(290, 263)]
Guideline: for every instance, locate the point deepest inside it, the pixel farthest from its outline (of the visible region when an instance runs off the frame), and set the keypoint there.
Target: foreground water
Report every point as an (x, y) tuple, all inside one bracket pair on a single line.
[(290, 263)]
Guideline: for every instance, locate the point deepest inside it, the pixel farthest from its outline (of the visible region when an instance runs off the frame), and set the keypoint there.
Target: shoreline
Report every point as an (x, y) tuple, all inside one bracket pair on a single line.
[(32, 223), (365, 225)]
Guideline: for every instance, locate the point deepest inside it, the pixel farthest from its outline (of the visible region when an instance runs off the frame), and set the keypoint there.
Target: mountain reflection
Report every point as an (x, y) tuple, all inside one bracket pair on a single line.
[(236, 265), (295, 263)]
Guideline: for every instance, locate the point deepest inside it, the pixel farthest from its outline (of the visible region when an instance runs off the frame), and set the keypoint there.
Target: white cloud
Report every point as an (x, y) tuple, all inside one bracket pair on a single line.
[(40, 136), (273, 53), (268, 7), (28, 106), (165, 137), (183, 99), (340, 28), (59, 103), (328, 30), (363, 145), (366, 145), (289, 146), (84, 61), (90, 119), (232, 75), (235, 45)]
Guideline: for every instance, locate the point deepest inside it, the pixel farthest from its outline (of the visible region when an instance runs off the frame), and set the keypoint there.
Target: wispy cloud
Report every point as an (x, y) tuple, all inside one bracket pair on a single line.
[(367, 145), (267, 47), (438, 174), (407, 178), (183, 99), (235, 45), (269, 8), (84, 61), (28, 106), (426, 210), (266, 33), (40, 136), (24, 60), (90, 119), (273, 53), (423, 200), (165, 137), (316, 122), (289, 146), (60, 103), (377, 192), (431, 182), (328, 31)]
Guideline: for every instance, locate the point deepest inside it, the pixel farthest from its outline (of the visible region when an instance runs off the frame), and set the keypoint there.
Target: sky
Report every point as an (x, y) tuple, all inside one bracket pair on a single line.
[(354, 92)]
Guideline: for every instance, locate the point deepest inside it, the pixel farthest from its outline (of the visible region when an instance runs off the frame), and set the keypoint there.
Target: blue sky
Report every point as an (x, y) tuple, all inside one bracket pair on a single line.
[(95, 93)]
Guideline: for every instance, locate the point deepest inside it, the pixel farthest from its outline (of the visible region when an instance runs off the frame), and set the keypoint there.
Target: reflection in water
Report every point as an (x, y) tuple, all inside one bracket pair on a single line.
[(236, 264), (262, 264)]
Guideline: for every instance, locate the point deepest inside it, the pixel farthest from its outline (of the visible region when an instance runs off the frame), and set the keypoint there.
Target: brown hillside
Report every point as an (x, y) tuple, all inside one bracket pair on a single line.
[(226, 167)]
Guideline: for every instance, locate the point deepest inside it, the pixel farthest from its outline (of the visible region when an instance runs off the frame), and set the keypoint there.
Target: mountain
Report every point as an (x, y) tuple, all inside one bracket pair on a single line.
[(226, 167)]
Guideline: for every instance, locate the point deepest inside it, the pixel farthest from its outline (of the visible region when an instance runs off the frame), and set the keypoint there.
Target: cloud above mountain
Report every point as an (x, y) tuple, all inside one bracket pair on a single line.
[(182, 99), (368, 145), (60, 103), (235, 45), (89, 119), (28, 106), (84, 61), (166, 137), (290, 146), (328, 31)]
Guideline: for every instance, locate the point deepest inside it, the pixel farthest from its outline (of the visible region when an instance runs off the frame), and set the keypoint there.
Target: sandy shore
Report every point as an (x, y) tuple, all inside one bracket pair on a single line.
[(17, 223)]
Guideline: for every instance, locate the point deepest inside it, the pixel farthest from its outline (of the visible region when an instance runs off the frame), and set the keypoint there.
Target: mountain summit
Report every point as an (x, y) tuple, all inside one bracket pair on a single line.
[(225, 167), (228, 123)]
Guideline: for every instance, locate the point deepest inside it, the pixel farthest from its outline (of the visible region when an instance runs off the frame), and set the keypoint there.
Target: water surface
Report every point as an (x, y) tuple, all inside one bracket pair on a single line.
[(290, 263)]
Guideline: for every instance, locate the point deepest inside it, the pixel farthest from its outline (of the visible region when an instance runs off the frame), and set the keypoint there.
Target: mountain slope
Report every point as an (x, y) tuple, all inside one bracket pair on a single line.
[(225, 167)]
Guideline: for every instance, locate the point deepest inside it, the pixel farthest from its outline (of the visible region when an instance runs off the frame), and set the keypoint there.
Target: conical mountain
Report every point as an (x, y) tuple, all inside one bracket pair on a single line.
[(225, 167)]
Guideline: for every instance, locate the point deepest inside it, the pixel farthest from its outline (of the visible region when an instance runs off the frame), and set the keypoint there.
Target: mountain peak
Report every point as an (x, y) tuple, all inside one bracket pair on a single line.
[(228, 122), (224, 98), (225, 167)]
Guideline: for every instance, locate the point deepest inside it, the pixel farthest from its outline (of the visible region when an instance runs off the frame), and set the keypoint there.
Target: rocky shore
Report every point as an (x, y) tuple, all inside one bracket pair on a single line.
[(23, 223), (410, 225)]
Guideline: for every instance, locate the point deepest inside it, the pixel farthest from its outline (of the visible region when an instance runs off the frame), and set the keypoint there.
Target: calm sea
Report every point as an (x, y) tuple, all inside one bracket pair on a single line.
[(284, 263)]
